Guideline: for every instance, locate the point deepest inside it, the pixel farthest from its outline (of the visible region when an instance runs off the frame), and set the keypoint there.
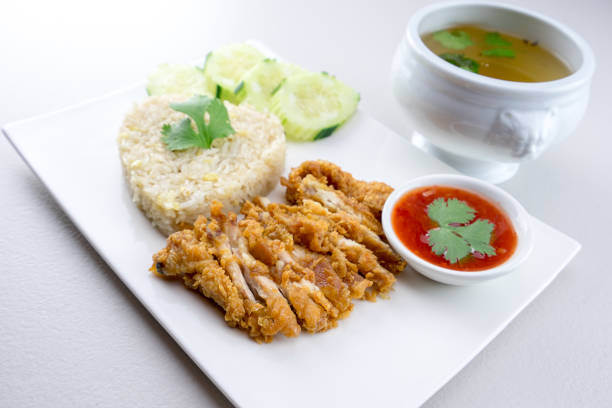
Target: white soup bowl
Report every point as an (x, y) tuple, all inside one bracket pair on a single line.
[(480, 125)]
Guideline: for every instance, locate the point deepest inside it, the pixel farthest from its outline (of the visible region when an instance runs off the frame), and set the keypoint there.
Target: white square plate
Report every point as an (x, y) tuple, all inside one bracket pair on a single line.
[(393, 352)]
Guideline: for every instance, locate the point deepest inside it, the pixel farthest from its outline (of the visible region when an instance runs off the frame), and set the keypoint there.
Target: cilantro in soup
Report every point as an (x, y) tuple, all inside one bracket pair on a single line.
[(496, 55)]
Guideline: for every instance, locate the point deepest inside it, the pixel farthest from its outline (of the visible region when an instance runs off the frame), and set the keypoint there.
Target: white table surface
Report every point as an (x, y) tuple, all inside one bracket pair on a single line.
[(72, 335)]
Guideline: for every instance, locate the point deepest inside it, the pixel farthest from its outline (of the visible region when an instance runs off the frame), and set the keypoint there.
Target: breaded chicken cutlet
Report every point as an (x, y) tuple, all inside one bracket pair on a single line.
[(372, 194), (279, 268)]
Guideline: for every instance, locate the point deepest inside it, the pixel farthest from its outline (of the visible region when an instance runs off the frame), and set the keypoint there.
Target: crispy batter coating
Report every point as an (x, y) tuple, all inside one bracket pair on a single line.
[(223, 252), (373, 194), (350, 227), (312, 309), (313, 239), (326, 278), (188, 258), (189, 254), (334, 200), (270, 242), (280, 318), (319, 235)]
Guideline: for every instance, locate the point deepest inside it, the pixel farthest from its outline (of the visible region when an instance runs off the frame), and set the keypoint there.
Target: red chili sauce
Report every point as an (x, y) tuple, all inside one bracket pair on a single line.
[(411, 223)]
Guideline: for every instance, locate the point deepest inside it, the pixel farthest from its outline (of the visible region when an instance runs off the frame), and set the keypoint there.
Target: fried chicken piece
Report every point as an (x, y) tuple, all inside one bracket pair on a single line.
[(313, 310), (279, 317), (373, 194), (337, 277), (283, 266), (326, 279), (256, 323), (334, 200), (349, 273), (223, 253), (189, 255), (367, 264), (315, 266), (349, 227), (318, 234), (304, 287), (188, 258)]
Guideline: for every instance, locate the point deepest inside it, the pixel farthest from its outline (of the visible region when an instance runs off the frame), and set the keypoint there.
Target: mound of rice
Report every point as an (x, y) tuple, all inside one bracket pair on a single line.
[(173, 188)]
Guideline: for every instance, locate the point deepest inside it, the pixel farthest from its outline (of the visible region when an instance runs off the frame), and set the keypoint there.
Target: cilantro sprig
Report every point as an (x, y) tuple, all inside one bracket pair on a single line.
[(455, 237), (495, 39), (181, 136), (499, 52), (455, 40), (461, 61)]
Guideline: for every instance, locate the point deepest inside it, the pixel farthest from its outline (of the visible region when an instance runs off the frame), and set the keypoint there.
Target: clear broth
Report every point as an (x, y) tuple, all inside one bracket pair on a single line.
[(518, 59)]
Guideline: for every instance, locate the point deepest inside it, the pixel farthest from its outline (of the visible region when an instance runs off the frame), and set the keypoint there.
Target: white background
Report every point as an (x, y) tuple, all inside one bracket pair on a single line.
[(72, 335)]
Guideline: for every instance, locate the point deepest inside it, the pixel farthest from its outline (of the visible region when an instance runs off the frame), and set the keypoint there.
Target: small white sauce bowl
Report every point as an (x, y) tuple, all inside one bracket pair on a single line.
[(483, 126), (521, 221)]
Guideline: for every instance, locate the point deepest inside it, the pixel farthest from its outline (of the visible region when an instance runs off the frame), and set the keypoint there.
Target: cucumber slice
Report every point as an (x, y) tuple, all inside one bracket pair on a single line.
[(225, 68), (177, 79), (263, 79), (312, 106)]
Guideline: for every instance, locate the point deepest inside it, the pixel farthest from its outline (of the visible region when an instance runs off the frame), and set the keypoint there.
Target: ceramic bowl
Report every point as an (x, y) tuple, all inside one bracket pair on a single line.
[(480, 125), (519, 217)]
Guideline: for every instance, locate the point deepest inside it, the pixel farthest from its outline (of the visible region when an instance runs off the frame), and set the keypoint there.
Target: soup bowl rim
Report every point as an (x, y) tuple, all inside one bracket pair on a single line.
[(580, 75)]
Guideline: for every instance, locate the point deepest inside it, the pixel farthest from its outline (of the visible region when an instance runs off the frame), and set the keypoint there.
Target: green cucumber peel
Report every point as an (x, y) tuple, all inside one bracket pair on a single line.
[(323, 133)]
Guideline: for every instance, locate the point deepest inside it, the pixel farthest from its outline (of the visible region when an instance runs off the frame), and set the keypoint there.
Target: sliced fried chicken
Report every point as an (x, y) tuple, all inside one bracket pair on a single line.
[(334, 200), (351, 228), (373, 194), (223, 252), (285, 266), (334, 285), (189, 254), (309, 304), (188, 258), (349, 273), (317, 234), (326, 279), (312, 235), (257, 323), (367, 264), (315, 303), (279, 316)]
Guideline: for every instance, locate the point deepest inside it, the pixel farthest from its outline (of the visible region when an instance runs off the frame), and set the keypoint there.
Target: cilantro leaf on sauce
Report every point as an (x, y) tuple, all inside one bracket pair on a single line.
[(478, 235), (444, 242), (460, 61), (455, 237), (455, 40), (452, 211), (180, 136)]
